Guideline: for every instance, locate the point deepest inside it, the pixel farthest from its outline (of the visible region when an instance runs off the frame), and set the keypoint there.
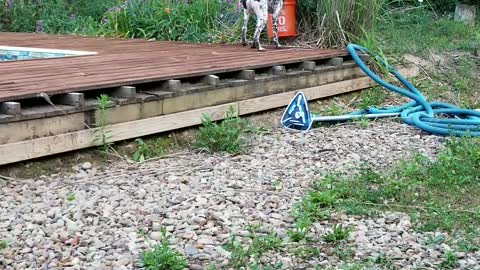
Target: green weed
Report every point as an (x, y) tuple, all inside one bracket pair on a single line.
[(250, 256), (212, 267), (373, 97), (163, 257), (338, 234), (145, 151), (226, 136), (380, 262), (3, 244), (467, 246), (333, 110), (277, 185), (362, 121), (70, 197), (103, 134), (305, 253), (450, 261), (343, 251)]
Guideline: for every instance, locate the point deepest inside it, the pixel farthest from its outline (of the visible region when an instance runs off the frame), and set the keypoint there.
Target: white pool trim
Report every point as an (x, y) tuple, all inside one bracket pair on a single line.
[(30, 49)]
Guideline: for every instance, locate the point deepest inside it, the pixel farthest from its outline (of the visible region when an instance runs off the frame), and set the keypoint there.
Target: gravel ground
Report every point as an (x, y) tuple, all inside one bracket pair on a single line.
[(103, 219)]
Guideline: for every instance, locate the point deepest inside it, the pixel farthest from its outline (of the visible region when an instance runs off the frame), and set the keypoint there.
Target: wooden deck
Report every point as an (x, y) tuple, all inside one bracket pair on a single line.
[(120, 62)]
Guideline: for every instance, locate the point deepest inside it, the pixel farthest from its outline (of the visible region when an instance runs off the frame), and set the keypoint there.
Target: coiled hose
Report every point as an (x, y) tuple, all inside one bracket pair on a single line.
[(420, 113)]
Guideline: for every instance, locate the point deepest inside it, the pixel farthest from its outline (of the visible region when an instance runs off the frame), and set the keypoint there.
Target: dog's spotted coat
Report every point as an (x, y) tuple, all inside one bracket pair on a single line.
[(261, 9)]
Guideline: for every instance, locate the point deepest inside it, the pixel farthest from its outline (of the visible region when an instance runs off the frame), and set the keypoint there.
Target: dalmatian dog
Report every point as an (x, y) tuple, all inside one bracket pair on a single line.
[(261, 9)]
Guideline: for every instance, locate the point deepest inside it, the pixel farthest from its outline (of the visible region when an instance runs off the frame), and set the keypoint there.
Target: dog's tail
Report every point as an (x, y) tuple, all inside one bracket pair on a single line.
[(244, 3)]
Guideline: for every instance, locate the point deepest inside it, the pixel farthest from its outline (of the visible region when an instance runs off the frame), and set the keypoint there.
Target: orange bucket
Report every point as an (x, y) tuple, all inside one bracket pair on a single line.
[(286, 21)]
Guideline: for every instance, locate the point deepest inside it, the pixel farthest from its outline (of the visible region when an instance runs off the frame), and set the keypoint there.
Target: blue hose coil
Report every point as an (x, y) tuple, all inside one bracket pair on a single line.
[(420, 112)]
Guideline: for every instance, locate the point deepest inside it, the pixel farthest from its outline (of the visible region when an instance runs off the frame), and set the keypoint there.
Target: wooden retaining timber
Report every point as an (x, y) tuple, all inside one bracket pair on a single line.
[(131, 128), (49, 106)]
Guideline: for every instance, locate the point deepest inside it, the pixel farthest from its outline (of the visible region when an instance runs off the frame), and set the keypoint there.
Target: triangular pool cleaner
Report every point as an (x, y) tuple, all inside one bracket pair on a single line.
[(297, 116)]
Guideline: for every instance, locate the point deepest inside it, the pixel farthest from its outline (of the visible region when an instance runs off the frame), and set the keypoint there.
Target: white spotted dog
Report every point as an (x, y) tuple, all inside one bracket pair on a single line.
[(261, 9)]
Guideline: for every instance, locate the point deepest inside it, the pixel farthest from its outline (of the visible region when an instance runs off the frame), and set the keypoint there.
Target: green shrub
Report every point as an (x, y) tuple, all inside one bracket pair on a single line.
[(195, 21), (163, 257), (226, 136)]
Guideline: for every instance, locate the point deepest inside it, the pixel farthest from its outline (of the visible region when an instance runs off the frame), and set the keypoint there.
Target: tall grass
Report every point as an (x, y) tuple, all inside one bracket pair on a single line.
[(333, 23), (328, 23), (196, 21)]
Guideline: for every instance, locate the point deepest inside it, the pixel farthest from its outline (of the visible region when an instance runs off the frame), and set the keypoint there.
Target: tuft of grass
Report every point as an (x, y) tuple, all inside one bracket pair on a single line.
[(145, 151), (163, 257), (333, 23), (373, 97), (380, 262), (250, 256), (343, 251), (333, 110), (70, 197), (362, 121), (305, 253), (226, 136), (3, 244), (338, 234), (439, 194), (450, 261)]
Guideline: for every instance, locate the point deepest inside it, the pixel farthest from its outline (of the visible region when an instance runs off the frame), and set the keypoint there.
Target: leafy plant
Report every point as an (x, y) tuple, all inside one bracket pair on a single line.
[(450, 261), (103, 134), (3, 245), (70, 197), (305, 253), (162, 256), (338, 234), (250, 256), (145, 151), (343, 251), (303, 221), (226, 136), (142, 152)]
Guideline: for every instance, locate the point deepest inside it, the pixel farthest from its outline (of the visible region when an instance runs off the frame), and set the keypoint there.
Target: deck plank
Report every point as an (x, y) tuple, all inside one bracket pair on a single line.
[(129, 61)]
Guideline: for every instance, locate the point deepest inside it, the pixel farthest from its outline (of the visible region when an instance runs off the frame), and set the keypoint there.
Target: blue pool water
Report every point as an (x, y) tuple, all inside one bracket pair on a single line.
[(19, 53)]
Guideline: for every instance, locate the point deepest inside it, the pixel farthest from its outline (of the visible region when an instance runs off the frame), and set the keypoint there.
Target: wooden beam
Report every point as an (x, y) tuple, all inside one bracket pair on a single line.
[(45, 146), (25, 150), (10, 107)]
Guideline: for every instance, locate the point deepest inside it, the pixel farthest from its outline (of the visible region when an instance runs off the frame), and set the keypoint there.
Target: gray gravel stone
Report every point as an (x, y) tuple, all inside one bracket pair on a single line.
[(204, 199)]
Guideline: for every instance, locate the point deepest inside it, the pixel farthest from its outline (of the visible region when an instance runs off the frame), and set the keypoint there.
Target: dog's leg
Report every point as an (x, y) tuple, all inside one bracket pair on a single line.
[(276, 12), (262, 17), (246, 17)]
